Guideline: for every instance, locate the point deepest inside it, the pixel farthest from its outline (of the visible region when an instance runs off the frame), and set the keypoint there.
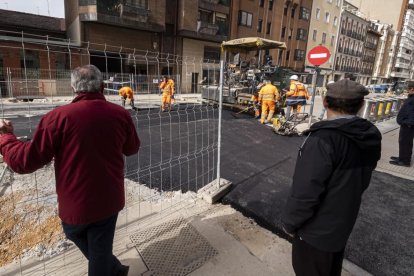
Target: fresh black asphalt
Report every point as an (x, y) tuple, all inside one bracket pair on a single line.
[(179, 152)]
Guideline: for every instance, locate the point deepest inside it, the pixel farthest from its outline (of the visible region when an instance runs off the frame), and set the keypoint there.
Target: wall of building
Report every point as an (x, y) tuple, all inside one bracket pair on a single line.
[(292, 25), (331, 29), (193, 66)]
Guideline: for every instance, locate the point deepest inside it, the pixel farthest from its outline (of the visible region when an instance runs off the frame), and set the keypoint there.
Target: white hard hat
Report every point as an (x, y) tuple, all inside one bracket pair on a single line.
[(330, 82), (294, 77)]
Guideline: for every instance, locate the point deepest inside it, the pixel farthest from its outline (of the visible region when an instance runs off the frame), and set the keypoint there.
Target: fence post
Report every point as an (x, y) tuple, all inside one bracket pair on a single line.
[(219, 121)]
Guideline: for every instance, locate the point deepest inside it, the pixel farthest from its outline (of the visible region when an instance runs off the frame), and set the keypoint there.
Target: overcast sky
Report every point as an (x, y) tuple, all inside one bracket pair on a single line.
[(35, 6)]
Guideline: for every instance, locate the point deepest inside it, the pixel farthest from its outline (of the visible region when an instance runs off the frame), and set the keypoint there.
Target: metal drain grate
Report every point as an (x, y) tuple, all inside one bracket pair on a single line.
[(173, 248)]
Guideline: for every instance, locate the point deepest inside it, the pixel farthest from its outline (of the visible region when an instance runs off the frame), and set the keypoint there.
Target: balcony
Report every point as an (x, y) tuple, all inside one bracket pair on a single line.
[(404, 56), (402, 65), (402, 75), (207, 28), (115, 12), (222, 6), (134, 13)]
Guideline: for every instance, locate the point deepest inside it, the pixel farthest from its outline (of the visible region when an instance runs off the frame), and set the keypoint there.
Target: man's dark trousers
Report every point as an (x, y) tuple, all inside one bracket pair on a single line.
[(406, 143), (95, 241), (310, 261)]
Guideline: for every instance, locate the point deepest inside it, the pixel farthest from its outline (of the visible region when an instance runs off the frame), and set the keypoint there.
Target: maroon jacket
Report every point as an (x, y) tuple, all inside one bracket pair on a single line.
[(88, 139)]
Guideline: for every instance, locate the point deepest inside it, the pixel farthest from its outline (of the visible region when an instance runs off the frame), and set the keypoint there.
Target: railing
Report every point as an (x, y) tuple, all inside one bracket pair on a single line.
[(207, 28), (179, 152)]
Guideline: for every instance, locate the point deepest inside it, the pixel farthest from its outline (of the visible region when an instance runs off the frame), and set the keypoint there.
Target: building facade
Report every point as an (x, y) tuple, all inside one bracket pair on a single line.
[(369, 54), (385, 53), (350, 47), (403, 65), (324, 30), (294, 25), (398, 15), (33, 53)]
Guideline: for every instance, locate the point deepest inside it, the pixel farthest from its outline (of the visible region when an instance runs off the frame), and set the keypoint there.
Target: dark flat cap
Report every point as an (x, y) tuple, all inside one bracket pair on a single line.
[(410, 83), (346, 89)]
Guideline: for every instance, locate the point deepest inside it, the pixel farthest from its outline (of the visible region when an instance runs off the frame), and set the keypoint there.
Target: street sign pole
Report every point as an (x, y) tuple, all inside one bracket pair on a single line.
[(314, 79)]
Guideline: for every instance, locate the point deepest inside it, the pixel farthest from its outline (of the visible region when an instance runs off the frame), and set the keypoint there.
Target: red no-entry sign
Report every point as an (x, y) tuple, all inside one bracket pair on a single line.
[(318, 55)]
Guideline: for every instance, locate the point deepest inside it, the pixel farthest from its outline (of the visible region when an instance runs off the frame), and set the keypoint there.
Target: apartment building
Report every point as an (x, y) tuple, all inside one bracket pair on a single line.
[(350, 46), (253, 19), (295, 22), (102, 26), (398, 15), (385, 53), (32, 47), (286, 21), (201, 27), (369, 54), (403, 66), (324, 30)]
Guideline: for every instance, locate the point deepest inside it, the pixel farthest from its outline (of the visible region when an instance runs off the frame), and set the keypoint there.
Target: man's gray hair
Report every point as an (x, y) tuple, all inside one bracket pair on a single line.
[(87, 79)]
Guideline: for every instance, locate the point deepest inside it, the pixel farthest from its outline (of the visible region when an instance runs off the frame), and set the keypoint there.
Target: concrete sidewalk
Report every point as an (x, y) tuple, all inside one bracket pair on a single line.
[(243, 247)]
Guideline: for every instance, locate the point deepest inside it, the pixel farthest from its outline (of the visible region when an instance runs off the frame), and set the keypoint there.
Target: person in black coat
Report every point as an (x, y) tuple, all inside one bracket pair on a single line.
[(333, 169), (405, 119)]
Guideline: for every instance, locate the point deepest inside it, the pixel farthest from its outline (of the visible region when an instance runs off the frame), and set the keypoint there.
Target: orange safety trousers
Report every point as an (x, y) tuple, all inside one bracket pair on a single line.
[(166, 100), (267, 105)]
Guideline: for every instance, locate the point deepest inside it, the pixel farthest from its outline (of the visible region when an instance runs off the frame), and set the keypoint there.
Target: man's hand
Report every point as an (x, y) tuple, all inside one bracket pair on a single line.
[(5, 126)]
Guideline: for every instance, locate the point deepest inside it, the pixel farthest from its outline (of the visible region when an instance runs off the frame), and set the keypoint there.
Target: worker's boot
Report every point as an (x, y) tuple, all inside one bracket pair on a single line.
[(270, 117)]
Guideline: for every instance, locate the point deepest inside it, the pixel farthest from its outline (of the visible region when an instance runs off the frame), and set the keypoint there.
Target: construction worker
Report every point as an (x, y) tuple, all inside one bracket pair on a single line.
[(127, 93), (296, 96), (167, 86), (268, 96), (256, 102)]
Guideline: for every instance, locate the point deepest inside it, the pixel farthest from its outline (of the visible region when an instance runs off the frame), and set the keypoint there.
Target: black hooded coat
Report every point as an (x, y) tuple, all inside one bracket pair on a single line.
[(333, 169)]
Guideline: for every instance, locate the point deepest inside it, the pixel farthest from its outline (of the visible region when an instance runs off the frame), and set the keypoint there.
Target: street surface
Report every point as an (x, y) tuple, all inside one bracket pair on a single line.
[(180, 147)]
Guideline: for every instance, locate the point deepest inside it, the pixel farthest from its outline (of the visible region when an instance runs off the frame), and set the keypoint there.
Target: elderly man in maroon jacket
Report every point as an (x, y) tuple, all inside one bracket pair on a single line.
[(87, 139)]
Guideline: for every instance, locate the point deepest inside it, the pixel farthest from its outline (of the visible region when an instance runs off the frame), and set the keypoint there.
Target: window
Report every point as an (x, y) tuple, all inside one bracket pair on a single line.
[(332, 40), (323, 38), (259, 25), (301, 34), (290, 34), (338, 3), (335, 22), (304, 13), (299, 54), (245, 18), (212, 53), (206, 16), (315, 32), (283, 32), (329, 1), (285, 11), (327, 17), (270, 5), (261, 3), (293, 12), (269, 26), (287, 55), (143, 4), (318, 13)]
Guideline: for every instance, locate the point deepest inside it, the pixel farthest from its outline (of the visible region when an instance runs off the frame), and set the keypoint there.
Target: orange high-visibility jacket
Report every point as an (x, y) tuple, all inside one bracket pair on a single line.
[(268, 93), (297, 94), (126, 92), (168, 87)]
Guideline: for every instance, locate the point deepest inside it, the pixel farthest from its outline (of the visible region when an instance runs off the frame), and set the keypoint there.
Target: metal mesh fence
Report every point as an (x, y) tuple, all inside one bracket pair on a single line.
[(178, 154)]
